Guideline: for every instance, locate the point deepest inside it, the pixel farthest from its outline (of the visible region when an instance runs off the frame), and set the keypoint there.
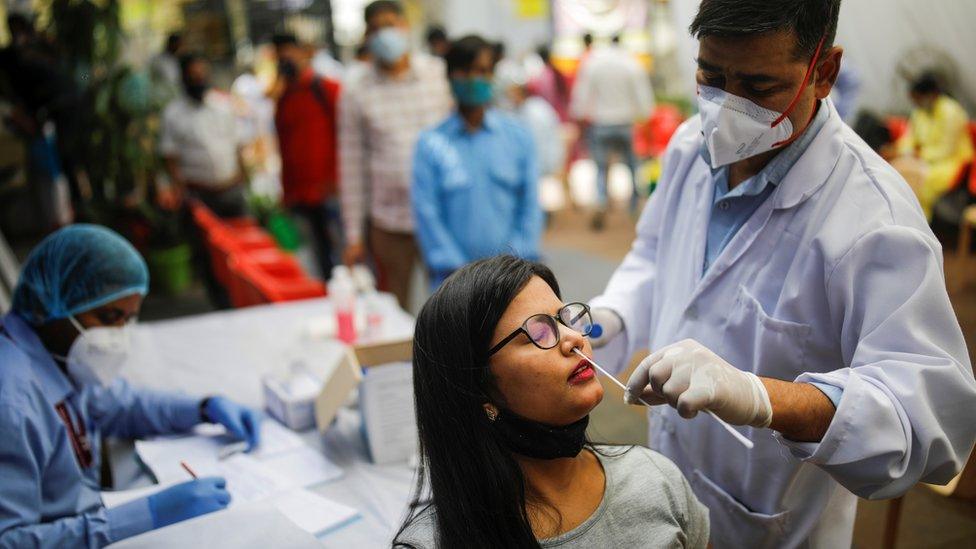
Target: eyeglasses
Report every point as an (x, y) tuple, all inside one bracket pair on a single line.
[(543, 330)]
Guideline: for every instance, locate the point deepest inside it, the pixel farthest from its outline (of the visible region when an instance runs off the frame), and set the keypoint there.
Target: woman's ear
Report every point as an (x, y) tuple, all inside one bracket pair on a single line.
[(491, 411)]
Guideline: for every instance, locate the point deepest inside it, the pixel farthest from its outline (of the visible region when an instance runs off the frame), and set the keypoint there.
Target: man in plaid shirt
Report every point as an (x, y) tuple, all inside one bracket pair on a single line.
[(381, 115)]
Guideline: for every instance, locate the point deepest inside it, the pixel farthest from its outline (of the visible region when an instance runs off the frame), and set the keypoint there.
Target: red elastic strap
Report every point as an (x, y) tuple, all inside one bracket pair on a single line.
[(806, 79)]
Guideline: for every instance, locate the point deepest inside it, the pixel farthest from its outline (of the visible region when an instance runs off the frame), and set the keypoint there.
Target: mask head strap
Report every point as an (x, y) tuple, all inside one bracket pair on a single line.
[(806, 79)]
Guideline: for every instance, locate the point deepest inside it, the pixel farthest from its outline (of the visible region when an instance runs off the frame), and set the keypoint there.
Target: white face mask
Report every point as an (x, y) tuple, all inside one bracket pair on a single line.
[(97, 355), (736, 128)]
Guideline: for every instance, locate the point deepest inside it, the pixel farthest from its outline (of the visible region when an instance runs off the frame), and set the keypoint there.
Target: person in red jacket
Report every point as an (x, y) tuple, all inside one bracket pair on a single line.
[(305, 117)]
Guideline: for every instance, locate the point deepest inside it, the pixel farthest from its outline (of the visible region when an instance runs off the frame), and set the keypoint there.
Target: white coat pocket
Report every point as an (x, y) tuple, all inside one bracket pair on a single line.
[(773, 347), (732, 524)]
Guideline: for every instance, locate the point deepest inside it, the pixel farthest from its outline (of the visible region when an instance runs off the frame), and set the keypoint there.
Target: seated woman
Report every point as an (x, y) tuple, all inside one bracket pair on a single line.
[(502, 407)]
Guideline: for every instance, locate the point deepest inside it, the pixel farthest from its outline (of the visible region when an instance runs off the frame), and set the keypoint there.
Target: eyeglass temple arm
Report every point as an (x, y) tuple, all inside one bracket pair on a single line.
[(510, 337)]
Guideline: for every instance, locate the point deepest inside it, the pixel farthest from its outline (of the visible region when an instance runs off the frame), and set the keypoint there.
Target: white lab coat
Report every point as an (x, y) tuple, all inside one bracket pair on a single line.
[(835, 278)]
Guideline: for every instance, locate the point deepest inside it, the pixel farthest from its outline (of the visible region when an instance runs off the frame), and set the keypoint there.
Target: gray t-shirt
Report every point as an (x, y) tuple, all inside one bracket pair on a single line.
[(647, 503)]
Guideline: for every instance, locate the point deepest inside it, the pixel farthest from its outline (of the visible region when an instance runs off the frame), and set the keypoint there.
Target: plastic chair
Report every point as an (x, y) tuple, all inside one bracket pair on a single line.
[(897, 126)]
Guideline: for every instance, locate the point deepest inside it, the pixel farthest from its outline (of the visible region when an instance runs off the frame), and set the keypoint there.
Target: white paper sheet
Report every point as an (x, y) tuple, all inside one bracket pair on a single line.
[(282, 462), (386, 399), (257, 525), (312, 512)]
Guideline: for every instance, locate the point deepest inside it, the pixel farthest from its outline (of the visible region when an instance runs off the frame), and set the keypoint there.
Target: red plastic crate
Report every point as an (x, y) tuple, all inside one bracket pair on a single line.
[(270, 280), (243, 289), (226, 242), (208, 221)]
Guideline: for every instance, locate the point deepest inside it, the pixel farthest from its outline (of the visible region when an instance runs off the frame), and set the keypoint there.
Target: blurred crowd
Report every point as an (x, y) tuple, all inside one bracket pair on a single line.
[(401, 157)]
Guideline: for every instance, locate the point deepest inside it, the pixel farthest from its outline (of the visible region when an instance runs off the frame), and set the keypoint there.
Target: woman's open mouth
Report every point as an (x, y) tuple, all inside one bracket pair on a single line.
[(582, 373)]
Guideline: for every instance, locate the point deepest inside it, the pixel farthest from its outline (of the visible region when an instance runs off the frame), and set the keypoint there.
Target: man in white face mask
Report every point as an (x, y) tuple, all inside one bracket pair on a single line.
[(786, 281), (62, 346), (381, 115)]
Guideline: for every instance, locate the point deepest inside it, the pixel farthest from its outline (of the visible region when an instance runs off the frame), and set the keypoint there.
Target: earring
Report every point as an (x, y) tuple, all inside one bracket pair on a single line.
[(492, 414)]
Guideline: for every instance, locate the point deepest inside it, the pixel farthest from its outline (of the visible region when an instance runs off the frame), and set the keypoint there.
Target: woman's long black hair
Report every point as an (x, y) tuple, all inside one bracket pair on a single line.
[(475, 486)]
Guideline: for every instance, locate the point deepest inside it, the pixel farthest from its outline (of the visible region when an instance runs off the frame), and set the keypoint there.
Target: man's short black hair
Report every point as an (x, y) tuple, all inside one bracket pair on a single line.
[(436, 33), (284, 39), (927, 83), (381, 6), (173, 41), (588, 39), (463, 51), (188, 59), (809, 20)]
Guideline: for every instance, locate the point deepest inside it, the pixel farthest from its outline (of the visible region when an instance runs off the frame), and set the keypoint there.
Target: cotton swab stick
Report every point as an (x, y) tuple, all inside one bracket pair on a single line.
[(738, 436)]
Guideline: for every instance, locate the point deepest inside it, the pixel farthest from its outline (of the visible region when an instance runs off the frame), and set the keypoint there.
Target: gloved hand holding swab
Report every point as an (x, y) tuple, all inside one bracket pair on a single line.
[(738, 436)]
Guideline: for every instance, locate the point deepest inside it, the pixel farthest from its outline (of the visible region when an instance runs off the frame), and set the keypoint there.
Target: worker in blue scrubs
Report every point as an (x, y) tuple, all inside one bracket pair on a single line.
[(61, 347), (475, 177)]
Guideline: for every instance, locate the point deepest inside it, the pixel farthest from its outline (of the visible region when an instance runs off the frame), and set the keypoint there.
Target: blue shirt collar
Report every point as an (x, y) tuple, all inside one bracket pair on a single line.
[(777, 168), (457, 125), (54, 384)]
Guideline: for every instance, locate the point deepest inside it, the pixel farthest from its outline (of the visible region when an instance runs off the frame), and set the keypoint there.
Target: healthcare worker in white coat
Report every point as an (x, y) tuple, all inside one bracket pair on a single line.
[(785, 279), (61, 347)]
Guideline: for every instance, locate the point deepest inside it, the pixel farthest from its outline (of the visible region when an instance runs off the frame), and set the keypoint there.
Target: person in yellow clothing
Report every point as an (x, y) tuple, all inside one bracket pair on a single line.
[(938, 136)]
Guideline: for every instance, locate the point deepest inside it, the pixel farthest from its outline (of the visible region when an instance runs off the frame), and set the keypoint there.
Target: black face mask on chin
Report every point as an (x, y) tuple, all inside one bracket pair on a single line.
[(287, 69), (538, 440), (197, 91)]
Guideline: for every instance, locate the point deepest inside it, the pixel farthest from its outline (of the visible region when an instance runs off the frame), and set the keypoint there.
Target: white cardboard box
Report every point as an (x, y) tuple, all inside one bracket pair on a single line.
[(388, 418)]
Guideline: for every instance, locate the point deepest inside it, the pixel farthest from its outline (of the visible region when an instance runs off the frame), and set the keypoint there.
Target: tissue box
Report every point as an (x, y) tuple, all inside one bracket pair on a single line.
[(295, 410)]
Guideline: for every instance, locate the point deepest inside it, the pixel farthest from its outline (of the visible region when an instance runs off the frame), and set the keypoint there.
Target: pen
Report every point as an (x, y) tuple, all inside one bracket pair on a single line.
[(188, 470), (738, 436)]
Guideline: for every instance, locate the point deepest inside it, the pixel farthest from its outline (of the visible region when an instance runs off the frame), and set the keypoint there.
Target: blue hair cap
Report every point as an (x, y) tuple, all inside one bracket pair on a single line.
[(76, 269)]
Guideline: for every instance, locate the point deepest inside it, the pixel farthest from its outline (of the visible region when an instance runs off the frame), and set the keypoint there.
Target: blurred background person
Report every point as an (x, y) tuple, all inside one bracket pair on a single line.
[(437, 41), (937, 145), (538, 116), (305, 118), (475, 180), (48, 114), (203, 159), (360, 64), (164, 68), (612, 93), (380, 117), (552, 85)]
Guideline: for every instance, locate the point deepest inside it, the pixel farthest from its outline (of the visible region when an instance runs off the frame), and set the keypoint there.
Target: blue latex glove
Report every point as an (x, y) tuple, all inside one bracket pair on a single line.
[(188, 500), (240, 421)]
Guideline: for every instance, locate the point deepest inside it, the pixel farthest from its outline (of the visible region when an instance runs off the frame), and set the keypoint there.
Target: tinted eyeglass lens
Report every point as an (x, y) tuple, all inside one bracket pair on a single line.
[(543, 331), (577, 317)]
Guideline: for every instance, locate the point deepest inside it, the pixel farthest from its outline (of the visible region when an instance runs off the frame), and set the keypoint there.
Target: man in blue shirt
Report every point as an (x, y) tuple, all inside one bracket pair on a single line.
[(474, 187), (61, 346)]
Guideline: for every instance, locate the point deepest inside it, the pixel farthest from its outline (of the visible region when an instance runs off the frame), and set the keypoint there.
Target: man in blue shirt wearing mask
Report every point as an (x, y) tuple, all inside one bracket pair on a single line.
[(61, 347), (475, 188)]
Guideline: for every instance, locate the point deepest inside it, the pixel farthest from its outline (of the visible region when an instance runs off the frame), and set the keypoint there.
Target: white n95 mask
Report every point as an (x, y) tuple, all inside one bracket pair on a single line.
[(736, 128), (97, 355)]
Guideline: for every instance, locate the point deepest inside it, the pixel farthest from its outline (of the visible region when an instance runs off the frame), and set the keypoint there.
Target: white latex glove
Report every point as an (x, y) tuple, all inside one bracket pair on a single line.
[(610, 323), (691, 378)]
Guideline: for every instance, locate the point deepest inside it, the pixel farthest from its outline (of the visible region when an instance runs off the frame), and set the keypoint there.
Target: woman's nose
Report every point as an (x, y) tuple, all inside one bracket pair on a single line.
[(570, 339)]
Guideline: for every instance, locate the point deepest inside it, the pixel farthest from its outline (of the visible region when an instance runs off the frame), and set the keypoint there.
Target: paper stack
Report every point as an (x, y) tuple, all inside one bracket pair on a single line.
[(277, 471)]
